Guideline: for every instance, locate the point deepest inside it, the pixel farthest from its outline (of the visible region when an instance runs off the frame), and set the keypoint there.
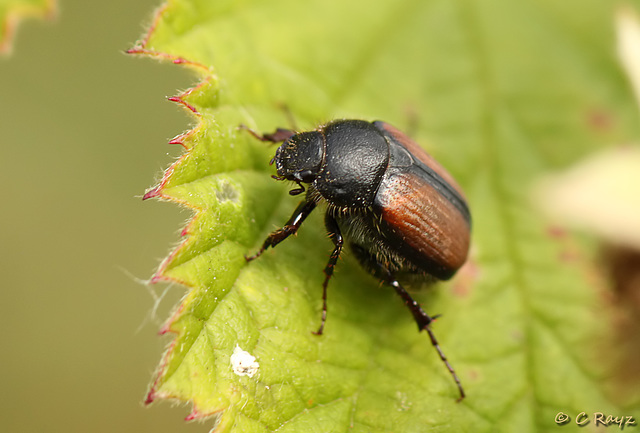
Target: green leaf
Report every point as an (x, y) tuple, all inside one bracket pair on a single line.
[(500, 92), (13, 11)]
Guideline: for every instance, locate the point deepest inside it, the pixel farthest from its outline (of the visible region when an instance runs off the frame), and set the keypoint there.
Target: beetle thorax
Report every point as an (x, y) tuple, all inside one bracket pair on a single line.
[(356, 158)]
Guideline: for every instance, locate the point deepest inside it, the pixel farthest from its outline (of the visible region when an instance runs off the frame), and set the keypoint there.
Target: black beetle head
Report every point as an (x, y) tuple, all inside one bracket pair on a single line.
[(300, 157)]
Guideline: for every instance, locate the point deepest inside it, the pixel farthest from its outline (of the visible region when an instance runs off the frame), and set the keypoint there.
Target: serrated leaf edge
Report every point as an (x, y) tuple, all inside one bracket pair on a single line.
[(156, 191)]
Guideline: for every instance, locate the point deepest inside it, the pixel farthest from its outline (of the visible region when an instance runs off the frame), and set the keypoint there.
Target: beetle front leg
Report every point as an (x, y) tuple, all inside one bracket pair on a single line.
[(335, 235), (291, 227), (424, 321)]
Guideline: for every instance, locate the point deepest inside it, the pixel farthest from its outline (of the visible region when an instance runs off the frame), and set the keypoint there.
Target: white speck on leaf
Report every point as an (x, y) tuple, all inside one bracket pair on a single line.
[(227, 192), (243, 363)]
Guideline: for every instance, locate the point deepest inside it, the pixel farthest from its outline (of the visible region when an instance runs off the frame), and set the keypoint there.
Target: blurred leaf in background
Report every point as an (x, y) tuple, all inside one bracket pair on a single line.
[(13, 11), (500, 93)]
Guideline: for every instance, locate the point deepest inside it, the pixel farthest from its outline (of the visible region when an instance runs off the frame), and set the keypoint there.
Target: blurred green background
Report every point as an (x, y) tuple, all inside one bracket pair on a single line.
[(84, 129)]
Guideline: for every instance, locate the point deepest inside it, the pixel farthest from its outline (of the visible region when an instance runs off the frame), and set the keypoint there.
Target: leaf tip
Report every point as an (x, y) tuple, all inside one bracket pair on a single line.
[(166, 328), (193, 416), (179, 100), (151, 193), (157, 277), (150, 398)]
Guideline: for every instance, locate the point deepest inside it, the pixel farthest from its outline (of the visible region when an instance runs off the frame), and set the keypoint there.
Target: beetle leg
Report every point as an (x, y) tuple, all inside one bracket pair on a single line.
[(299, 215), (424, 321), (338, 241), (278, 136), (296, 191)]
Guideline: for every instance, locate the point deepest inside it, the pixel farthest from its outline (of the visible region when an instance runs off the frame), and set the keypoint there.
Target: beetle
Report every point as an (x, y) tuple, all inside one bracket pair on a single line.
[(401, 213)]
